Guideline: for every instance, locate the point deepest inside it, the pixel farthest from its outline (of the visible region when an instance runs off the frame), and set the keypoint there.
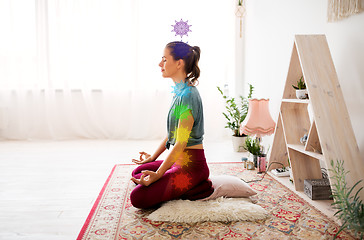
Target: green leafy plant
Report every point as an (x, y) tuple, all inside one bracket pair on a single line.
[(236, 114), (252, 145), (350, 209), (300, 84)]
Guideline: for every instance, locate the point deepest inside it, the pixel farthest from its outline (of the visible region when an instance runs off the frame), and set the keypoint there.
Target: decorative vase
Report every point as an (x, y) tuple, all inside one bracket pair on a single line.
[(238, 143), (302, 94), (262, 163)]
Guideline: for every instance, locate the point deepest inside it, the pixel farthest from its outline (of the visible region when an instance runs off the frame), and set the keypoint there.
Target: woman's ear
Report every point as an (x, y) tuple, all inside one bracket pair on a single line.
[(180, 64)]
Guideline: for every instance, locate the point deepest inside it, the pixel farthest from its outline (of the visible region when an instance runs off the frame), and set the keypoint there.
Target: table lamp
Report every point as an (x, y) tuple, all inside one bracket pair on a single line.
[(258, 121)]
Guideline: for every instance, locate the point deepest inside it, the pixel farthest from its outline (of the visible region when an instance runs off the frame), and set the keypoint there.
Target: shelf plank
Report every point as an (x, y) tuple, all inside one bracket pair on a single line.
[(301, 149), (302, 101), (279, 150)]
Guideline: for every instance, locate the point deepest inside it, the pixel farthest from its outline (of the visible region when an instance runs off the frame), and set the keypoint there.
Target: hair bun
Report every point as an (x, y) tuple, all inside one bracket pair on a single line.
[(197, 51)]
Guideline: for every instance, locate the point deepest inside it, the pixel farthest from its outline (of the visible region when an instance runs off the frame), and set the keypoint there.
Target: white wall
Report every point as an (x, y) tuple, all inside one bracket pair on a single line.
[(270, 27)]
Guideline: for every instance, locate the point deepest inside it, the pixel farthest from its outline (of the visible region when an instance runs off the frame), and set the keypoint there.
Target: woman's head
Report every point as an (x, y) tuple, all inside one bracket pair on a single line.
[(179, 56)]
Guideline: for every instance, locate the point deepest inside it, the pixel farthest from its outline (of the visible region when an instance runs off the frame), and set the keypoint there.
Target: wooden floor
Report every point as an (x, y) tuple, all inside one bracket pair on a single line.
[(48, 188)]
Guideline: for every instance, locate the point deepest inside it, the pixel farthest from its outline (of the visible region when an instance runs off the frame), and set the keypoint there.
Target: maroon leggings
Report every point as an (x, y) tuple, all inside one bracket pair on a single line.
[(186, 179)]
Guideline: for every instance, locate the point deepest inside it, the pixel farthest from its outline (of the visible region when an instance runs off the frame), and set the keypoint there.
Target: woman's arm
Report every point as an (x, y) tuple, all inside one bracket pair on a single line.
[(182, 134), (151, 158)]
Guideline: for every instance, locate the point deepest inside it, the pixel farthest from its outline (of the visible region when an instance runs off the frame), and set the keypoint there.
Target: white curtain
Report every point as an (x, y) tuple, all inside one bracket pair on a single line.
[(89, 68)]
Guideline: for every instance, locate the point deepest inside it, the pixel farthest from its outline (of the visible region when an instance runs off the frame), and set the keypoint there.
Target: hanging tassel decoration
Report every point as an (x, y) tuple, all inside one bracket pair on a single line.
[(340, 9)]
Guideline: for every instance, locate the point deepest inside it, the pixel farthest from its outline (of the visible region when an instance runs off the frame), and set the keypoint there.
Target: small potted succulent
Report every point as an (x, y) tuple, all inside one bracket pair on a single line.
[(301, 91), (235, 115)]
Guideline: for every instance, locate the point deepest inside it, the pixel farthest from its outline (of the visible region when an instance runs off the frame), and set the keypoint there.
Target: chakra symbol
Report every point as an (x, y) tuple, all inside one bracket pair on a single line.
[(183, 160), (181, 112), (181, 89), (181, 135), (181, 181), (181, 28)]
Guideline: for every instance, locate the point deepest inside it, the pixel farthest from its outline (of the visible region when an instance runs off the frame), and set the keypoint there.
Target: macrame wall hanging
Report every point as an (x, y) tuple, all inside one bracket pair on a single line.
[(340, 9), (240, 13)]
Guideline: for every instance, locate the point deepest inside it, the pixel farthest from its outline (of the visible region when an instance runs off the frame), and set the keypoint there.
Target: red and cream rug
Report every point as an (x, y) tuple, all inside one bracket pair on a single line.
[(290, 217)]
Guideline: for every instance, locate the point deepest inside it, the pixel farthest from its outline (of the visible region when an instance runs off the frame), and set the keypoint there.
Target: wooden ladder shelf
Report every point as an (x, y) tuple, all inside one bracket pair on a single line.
[(330, 134)]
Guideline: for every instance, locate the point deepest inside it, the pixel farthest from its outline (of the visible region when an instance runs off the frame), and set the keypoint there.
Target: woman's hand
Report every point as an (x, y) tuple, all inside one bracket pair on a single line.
[(144, 158), (147, 178)]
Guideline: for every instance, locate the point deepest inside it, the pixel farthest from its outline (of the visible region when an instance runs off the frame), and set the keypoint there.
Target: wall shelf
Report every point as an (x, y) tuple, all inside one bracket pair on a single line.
[(302, 101), (301, 149), (330, 134)]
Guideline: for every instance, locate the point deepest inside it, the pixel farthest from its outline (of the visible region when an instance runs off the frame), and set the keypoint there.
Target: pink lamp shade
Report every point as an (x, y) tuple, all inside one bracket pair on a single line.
[(258, 120)]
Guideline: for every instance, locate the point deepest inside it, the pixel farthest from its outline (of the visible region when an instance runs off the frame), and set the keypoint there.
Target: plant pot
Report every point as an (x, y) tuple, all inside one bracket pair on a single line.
[(238, 143), (302, 94)]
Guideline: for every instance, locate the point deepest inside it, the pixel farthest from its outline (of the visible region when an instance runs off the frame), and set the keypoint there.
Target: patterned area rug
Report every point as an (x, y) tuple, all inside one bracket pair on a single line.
[(113, 216)]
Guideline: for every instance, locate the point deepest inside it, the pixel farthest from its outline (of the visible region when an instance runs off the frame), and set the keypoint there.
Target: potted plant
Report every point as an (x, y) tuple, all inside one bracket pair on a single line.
[(235, 115), (301, 91), (350, 209), (252, 145)]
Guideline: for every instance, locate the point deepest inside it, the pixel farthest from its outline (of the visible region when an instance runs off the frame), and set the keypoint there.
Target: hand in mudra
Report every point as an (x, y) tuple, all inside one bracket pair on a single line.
[(144, 158), (147, 178)]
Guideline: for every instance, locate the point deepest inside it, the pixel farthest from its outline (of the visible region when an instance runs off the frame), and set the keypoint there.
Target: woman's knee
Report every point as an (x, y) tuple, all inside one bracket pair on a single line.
[(139, 199), (135, 172)]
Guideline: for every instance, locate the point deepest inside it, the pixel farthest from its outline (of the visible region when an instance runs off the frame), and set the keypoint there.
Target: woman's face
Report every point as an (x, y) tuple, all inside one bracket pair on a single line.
[(169, 66)]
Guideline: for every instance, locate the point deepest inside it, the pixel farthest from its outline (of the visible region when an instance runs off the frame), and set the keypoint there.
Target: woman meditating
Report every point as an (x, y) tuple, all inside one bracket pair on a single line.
[(184, 173)]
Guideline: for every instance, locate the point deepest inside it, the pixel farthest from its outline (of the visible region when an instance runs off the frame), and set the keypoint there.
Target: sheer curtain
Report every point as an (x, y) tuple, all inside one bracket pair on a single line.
[(89, 68)]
